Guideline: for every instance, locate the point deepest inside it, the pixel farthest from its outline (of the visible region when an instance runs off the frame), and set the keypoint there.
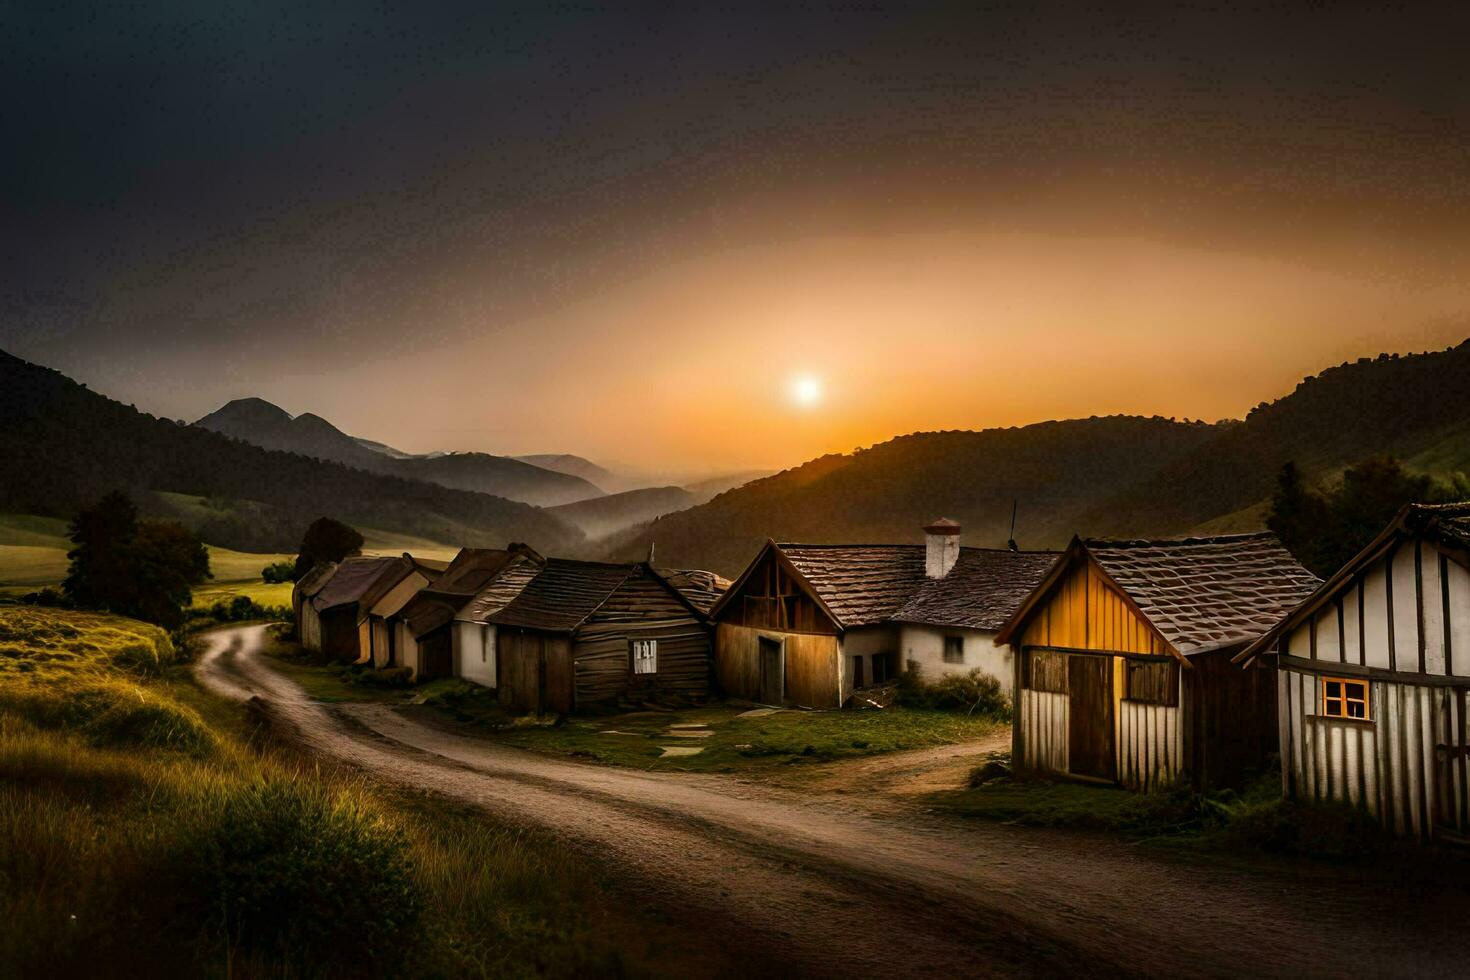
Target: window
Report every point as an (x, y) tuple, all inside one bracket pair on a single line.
[(645, 656), (954, 649), (1342, 698), (1152, 682)]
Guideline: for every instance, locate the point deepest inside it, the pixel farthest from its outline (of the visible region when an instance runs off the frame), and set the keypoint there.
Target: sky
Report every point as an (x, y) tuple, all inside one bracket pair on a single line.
[(696, 238)]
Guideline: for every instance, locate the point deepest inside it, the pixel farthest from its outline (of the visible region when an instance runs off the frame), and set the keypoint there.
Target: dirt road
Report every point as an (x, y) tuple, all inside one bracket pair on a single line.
[(824, 884)]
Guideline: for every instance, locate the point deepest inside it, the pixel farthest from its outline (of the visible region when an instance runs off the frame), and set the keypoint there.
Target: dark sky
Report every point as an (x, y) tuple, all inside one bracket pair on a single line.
[(482, 226)]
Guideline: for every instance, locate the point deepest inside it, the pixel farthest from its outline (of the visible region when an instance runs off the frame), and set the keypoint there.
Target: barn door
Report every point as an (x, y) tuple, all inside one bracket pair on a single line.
[(773, 680), (1451, 794), (556, 693), (1090, 714)]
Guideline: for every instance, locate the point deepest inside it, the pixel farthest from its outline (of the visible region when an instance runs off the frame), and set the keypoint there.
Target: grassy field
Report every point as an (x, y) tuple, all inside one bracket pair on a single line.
[(142, 833), (729, 739)]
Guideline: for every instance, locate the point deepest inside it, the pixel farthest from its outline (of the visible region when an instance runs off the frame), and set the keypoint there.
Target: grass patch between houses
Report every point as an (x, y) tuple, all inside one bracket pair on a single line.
[(142, 834)]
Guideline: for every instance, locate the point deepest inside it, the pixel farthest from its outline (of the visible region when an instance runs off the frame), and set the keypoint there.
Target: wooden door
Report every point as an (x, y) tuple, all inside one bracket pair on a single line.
[(1090, 716), (436, 654), (518, 665), (773, 685), (556, 691)]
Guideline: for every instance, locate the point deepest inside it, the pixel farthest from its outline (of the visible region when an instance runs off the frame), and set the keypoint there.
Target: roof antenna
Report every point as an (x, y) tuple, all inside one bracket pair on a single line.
[(1011, 541)]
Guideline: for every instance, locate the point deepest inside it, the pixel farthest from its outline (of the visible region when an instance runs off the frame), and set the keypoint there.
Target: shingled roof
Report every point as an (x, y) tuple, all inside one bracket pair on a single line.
[(499, 593), (360, 579), (471, 572), (864, 585), (315, 580), (982, 590), (700, 588), (1207, 592), (563, 595)]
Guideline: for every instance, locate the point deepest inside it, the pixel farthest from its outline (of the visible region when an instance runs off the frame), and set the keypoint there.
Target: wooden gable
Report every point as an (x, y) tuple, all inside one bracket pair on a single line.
[(772, 595), (1081, 609)]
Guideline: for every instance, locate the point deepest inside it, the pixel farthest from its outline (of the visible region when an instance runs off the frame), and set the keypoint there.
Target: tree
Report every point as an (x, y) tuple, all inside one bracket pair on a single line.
[(326, 540), (1326, 530), (143, 569), (278, 571)]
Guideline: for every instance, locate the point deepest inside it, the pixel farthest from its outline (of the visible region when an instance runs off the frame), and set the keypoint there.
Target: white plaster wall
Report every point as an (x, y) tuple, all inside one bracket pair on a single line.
[(408, 648), (865, 642), (474, 653), (924, 645)]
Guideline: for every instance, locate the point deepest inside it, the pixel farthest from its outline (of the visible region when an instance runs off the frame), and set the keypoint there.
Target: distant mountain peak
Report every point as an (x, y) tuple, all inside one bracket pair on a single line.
[(252, 410)]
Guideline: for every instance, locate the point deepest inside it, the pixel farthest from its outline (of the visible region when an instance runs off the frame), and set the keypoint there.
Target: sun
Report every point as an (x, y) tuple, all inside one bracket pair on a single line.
[(806, 390)]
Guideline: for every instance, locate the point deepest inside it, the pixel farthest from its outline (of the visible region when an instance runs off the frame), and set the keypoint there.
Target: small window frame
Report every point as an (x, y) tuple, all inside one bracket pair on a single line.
[(957, 654), (1339, 697), (642, 656)]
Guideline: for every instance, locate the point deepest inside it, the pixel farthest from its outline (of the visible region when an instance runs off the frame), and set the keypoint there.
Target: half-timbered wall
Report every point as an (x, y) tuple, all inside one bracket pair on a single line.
[(642, 608), (1085, 613), (812, 664), (1402, 625)]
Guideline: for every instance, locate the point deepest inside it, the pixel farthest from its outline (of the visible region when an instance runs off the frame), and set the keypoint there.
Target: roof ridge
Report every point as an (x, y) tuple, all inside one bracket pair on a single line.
[(1187, 539)]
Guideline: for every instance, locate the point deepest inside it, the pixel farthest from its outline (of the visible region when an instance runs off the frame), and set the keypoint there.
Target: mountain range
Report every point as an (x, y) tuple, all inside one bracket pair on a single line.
[(1098, 476), (63, 447), (260, 423)]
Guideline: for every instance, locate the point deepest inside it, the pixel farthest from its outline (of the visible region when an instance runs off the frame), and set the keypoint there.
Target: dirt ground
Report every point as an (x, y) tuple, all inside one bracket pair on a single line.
[(836, 871)]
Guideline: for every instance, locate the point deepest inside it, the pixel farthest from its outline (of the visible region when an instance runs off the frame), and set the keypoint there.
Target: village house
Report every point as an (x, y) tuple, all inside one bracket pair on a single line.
[(308, 624), (808, 624), (1123, 659), (584, 635), (341, 605), (425, 636), (382, 632), (1371, 674)]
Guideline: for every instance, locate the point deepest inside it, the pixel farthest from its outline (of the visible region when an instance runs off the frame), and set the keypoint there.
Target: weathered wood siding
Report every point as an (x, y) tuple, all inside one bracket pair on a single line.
[(380, 640), (1043, 717), (812, 664), (772, 598), (339, 633), (1402, 625), (309, 629), (1150, 745), (643, 609), (1084, 612)]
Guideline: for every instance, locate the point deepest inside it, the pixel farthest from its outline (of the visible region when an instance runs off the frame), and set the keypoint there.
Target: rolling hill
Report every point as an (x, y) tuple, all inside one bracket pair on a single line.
[(65, 446), (603, 516), (260, 423), (1103, 476)]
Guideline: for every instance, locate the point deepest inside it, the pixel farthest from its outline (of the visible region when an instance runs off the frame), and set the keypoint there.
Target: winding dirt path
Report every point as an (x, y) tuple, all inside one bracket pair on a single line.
[(831, 885)]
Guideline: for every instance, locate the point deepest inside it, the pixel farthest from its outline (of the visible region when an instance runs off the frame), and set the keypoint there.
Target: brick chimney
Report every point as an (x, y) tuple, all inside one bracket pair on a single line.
[(941, 547)]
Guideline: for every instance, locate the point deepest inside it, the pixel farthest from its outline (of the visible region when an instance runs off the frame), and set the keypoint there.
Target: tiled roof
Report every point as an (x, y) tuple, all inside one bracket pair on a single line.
[(982, 590), (357, 579), (699, 587), (1449, 523), (862, 584), (314, 580), (564, 594), (1207, 592), (471, 570), (499, 593)]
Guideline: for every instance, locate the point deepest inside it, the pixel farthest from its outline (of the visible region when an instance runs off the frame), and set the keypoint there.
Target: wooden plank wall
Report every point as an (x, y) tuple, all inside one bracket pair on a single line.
[(1086, 613), (812, 664), (1044, 717), (772, 599), (1150, 745), (1405, 766), (642, 608)]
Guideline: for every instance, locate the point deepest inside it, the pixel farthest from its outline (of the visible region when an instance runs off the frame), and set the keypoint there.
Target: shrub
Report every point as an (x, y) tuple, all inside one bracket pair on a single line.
[(111, 712), (301, 873), (975, 692), (277, 572)]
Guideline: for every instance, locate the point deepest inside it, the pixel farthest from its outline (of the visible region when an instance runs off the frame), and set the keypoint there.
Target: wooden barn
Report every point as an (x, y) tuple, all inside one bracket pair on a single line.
[(1371, 676), (584, 635), (809, 624), (1123, 659), (425, 635), (342, 604), (381, 626), (308, 623)]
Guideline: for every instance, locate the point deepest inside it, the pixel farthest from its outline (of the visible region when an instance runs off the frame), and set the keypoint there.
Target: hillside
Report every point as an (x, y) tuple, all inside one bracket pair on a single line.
[(1054, 470), (260, 423), (65, 446), (1415, 407), (1104, 476), (616, 512), (572, 466)]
